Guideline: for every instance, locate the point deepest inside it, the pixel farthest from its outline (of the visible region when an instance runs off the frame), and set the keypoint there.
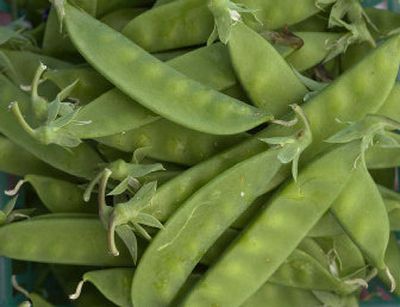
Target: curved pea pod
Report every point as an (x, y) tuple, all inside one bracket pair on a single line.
[(143, 77), (268, 80), (112, 283), (362, 214), (314, 50), (276, 295), (384, 20), (78, 240), (212, 209), (81, 161), (60, 196), (390, 108), (120, 18), (90, 83), (192, 22), (176, 144), (392, 259), (21, 66), (346, 99), (17, 161), (291, 214)]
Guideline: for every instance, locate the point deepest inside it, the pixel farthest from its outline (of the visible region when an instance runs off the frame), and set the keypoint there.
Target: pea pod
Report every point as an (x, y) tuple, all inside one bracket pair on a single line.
[(177, 241), (60, 196), (263, 81), (384, 20), (81, 161), (176, 144), (90, 83), (192, 22), (17, 161), (336, 101), (79, 240), (112, 283), (228, 116), (277, 295), (303, 204), (120, 18), (357, 210)]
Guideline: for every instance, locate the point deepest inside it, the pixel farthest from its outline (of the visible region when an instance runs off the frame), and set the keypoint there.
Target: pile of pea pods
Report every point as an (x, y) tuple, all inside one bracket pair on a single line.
[(214, 153)]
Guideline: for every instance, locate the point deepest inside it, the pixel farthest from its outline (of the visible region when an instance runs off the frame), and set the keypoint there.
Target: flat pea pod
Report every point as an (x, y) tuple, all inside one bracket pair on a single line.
[(60, 196), (112, 283), (314, 50), (362, 214), (63, 240), (337, 101), (392, 259), (192, 22), (346, 99), (120, 18), (143, 77), (390, 108), (384, 20), (81, 161), (291, 214), (90, 85), (268, 80), (276, 295), (23, 65), (176, 144), (177, 248), (17, 161)]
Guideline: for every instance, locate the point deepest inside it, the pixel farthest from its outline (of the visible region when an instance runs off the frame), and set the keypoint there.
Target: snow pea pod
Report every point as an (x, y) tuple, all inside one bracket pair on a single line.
[(276, 295), (90, 85), (384, 20), (120, 18), (60, 196), (17, 161), (362, 214), (21, 66), (112, 283), (144, 78), (81, 161), (178, 247), (176, 144), (262, 81), (290, 214), (192, 22), (79, 240), (314, 50), (339, 100)]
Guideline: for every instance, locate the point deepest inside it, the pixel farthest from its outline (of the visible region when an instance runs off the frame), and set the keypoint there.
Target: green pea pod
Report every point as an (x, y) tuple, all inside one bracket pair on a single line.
[(60, 196), (17, 161), (64, 240), (90, 83), (120, 18), (176, 144), (212, 209), (337, 101), (392, 259), (384, 20), (162, 2), (107, 6), (276, 295), (314, 50), (262, 81), (362, 214), (81, 161), (317, 22), (21, 66), (192, 22), (326, 227), (136, 73), (390, 108), (291, 214), (112, 283), (37, 300), (341, 102)]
